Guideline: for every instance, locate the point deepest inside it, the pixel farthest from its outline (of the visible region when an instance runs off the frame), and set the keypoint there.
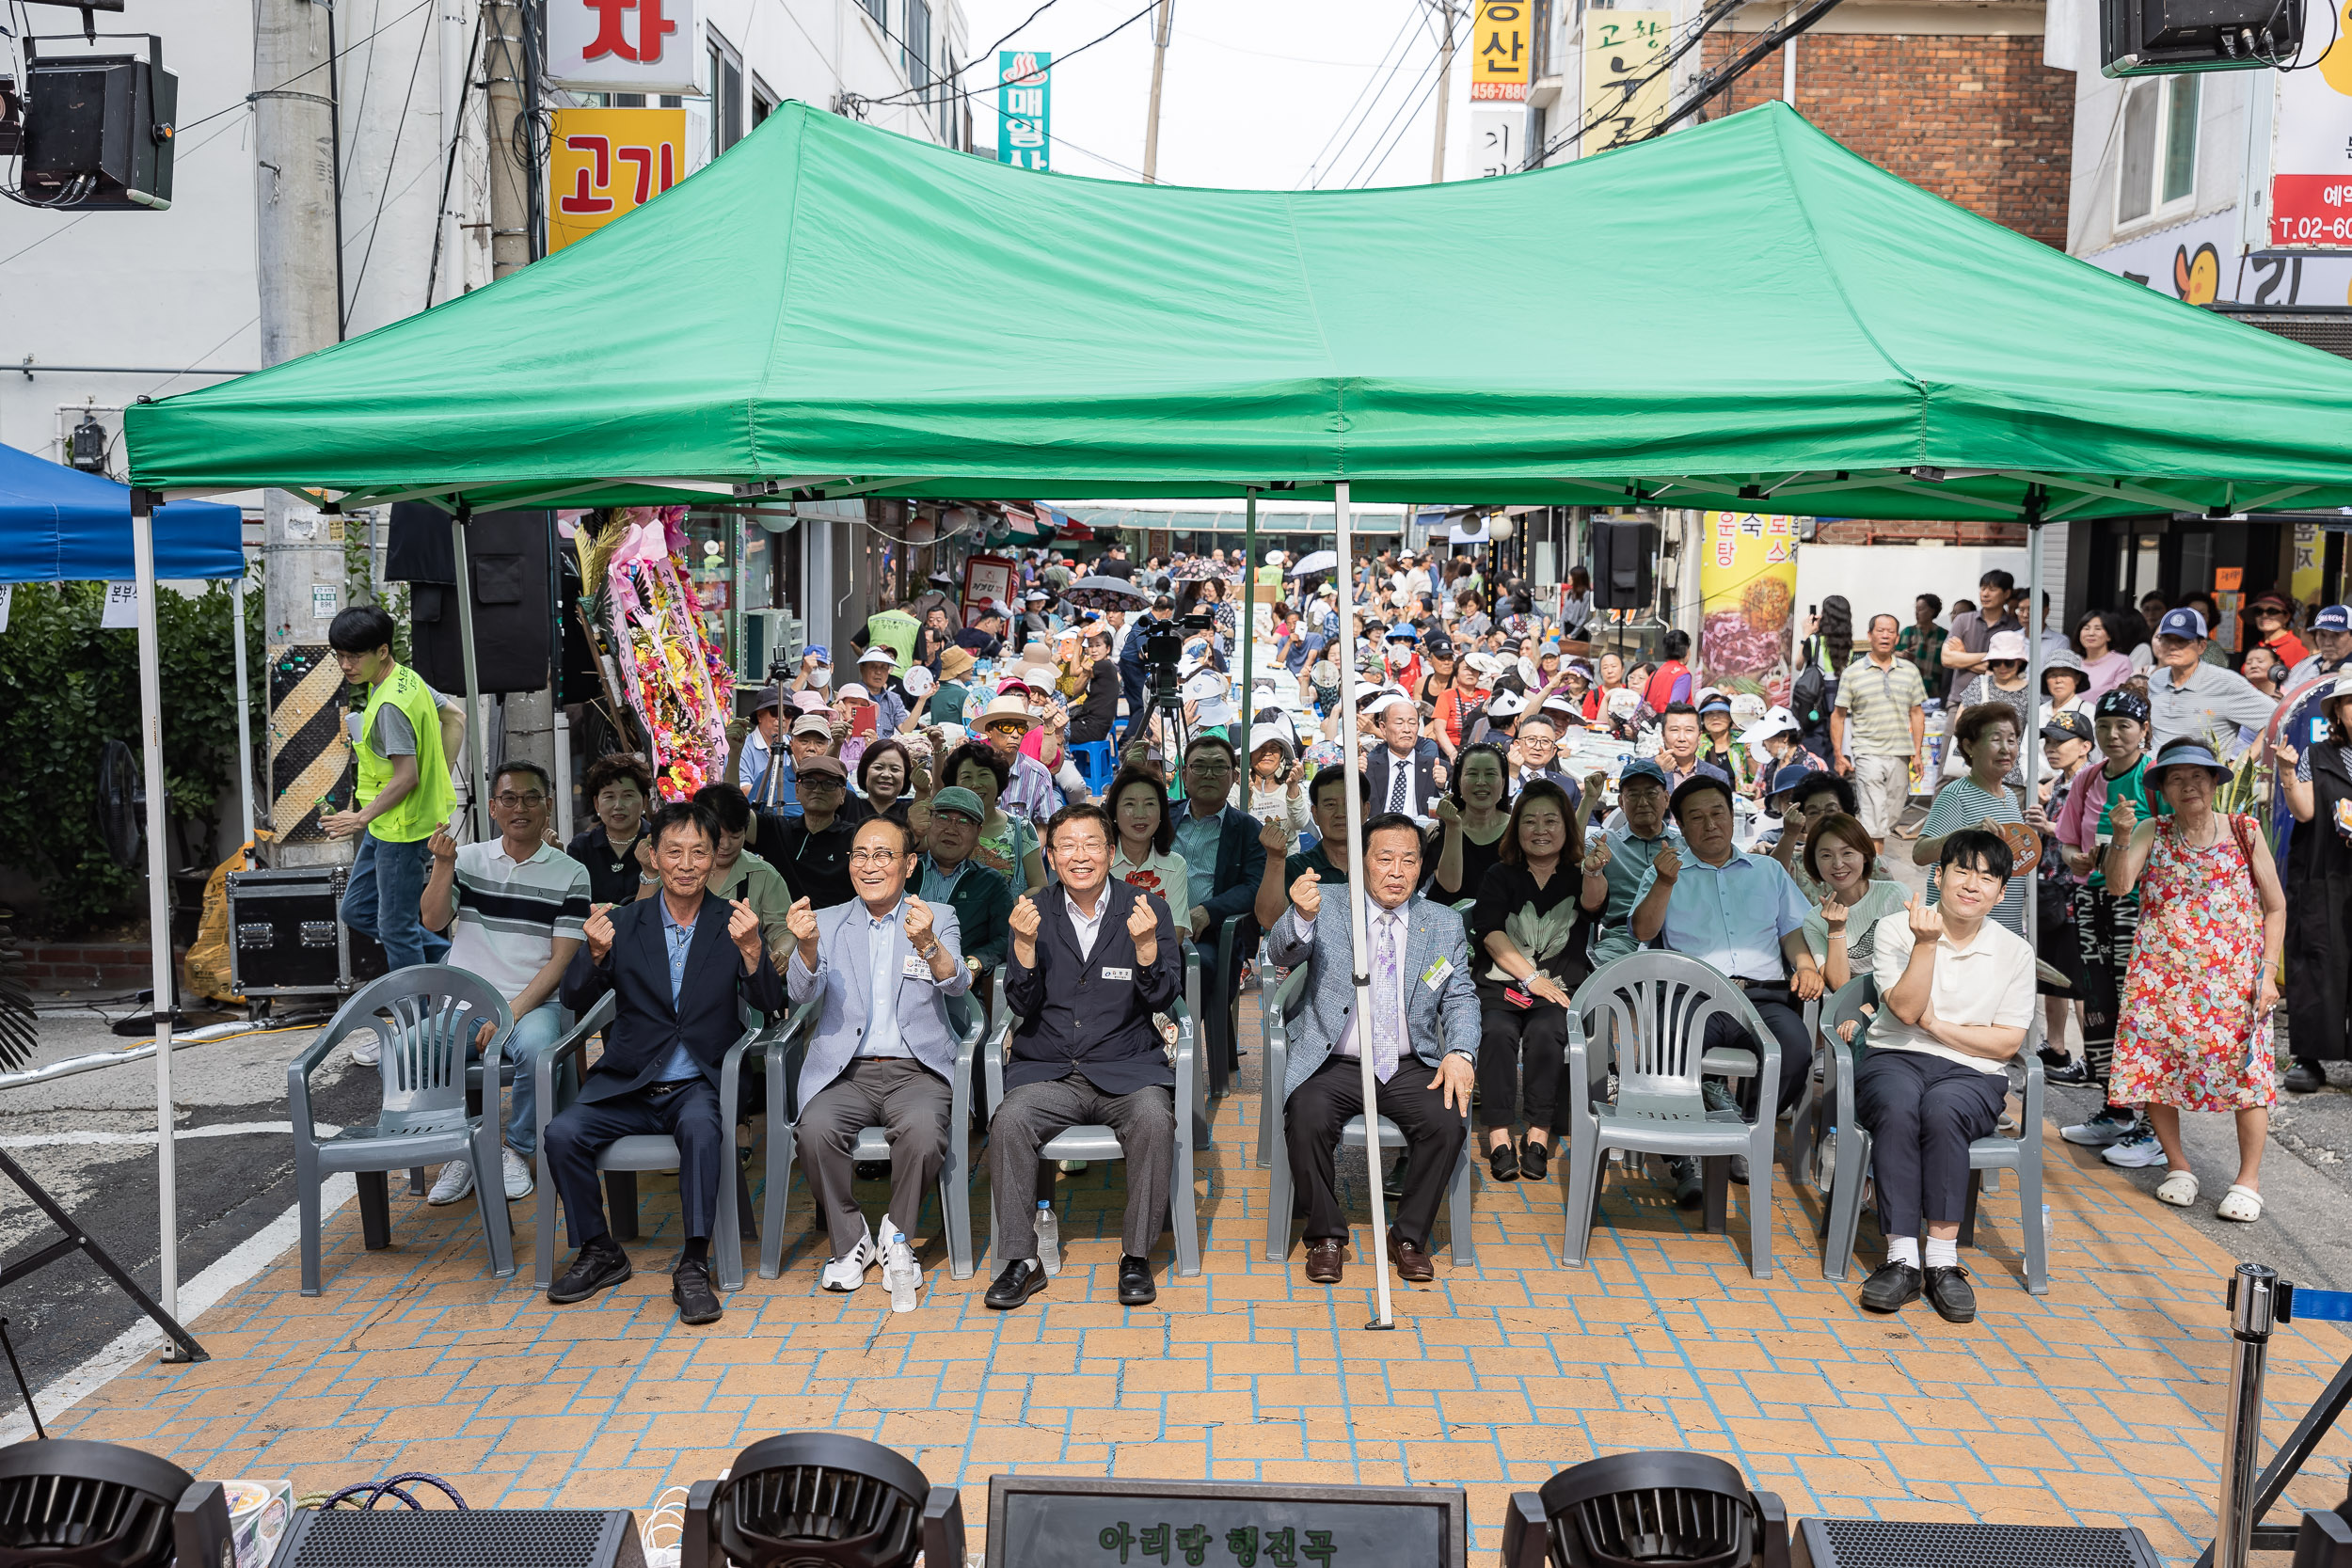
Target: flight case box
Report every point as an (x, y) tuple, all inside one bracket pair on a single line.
[(286, 935)]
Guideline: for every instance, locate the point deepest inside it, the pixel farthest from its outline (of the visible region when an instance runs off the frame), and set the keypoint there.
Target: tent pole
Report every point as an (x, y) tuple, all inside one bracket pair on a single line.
[(1359, 936), (1249, 621), (158, 895), (2029, 746), (479, 814), (244, 714)]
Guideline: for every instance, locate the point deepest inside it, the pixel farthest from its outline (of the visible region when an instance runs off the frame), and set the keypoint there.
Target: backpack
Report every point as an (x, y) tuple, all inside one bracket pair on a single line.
[(1808, 697)]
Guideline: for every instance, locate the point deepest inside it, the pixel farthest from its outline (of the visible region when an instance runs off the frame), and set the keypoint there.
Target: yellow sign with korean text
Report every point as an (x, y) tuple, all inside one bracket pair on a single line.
[(1502, 51), (1625, 77), (603, 163), (1747, 597)]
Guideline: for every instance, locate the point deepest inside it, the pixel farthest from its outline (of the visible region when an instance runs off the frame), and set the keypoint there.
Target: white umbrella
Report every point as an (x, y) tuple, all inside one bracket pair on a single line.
[(1320, 561)]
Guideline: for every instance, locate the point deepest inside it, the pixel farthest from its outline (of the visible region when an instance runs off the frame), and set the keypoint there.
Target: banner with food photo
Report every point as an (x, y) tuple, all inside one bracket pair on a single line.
[(1747, 596)]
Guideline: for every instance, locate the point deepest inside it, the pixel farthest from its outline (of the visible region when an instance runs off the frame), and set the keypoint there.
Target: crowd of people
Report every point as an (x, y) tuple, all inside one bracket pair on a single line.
[(1026, 800)]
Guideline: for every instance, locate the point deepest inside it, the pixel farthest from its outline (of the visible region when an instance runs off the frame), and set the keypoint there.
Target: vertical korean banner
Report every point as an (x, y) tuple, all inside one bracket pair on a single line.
[(1502, 52), (604, 163), (1748, 594), (1625, 80), (1023, 107), (2306, 578)]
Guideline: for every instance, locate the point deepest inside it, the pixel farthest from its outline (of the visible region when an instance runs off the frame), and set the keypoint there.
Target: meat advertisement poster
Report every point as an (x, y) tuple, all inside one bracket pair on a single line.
[(1748, 593)]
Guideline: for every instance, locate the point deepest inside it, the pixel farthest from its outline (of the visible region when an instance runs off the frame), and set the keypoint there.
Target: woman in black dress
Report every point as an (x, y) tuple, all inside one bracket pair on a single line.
[(2318, 779), (1531, 935), (1473, 819), (615, 851)]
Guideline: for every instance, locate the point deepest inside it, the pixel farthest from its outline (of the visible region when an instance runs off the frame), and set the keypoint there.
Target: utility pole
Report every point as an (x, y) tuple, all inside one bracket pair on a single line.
[(1161, 27), (530, 716), (1445, 95), (302, 553)]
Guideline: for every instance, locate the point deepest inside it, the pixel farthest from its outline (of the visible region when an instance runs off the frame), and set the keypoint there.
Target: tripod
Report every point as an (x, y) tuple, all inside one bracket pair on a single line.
[(1167, 704)]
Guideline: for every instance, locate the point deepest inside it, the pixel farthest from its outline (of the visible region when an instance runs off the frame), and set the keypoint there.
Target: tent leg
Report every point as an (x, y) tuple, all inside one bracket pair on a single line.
[(143, 503), (475, 761), (1248, 621), (244, 714), (2030, 747), (563, 775), (1357, 917)]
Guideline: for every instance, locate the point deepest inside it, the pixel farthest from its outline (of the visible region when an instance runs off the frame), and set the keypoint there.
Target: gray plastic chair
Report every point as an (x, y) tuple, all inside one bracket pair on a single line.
[(1851, 1141), (620, 1160), (1460, 1196), (1220, 1025), (1809, 1124), (1089, 1142), (1200, 1079), (426, 1017), (1650, 1012), (787, 1051)]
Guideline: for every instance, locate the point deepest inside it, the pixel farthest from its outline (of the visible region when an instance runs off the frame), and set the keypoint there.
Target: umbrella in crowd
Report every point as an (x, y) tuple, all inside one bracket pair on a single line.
[(1319, 560), (1101, 592), (1200, 568)]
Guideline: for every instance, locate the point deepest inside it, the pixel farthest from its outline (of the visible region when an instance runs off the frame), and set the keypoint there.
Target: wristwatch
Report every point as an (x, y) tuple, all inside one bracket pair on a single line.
[(644, 880)]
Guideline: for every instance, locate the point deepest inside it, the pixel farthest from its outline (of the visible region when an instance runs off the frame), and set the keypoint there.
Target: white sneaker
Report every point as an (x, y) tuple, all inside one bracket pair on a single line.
[(844, 1274), (2136, 1152), (902, 1273), (1048, 1242), (368, 1052), (455, 1182), (519, 1182)]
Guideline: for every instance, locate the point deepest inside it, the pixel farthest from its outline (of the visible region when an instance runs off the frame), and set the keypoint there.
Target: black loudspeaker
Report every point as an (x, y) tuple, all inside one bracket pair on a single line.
[(2142, 37), (98, 129), (287, 936), (66, 1504), (508, 553), (1624, 555), (1896, 1544), (507, 1537)]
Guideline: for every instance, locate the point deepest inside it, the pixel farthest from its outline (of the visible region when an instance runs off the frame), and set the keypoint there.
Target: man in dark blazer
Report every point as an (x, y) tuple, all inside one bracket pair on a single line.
[(1092, 959), (1224, 848), (677, 965), (1404, 768)]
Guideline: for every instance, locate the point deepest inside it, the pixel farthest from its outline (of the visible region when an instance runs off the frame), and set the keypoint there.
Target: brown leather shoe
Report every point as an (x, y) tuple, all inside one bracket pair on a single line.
[(1326, 1261), (1412, 1264)]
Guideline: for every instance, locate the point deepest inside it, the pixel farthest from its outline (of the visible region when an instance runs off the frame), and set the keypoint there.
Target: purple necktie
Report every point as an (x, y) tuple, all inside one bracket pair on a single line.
[(1384, 998)]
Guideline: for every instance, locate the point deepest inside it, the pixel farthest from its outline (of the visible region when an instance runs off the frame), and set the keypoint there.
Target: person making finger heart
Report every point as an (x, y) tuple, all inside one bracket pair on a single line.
[(677, 966)]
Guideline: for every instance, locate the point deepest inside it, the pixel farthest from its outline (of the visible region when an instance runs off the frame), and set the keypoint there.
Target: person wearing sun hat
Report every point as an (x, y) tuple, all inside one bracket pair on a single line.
[(2317, 775), (2196, 1024), (946, 705)]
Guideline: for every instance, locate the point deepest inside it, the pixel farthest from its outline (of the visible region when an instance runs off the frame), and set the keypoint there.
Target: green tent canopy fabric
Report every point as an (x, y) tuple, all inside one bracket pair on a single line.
[(1743, 315)]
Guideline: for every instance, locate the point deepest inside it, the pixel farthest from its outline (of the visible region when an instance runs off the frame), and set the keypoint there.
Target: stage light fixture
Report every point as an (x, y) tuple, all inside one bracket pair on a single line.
[(821, 1500), (67, 1504)]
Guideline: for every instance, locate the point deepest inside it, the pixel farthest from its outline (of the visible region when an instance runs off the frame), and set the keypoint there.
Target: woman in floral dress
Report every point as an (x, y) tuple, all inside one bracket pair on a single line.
[(2195, 1031)]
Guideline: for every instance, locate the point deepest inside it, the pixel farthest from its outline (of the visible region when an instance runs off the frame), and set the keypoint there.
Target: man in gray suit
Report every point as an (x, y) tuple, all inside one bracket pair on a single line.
[(1423, 1003), (883, 1053)]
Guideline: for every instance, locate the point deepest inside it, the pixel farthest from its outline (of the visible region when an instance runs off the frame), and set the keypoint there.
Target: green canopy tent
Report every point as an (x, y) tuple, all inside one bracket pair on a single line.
[(1743, 316)]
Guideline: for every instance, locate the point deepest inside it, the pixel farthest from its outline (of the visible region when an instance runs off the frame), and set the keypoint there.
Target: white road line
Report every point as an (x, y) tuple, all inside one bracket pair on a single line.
[(135, 1344), (223, 1130)]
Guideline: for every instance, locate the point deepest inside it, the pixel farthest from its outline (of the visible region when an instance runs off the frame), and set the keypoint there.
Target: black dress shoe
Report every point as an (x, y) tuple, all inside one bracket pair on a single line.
[(1021, 1279), (1393, 1187), (2304, 1077), (1948, 1291), (1889, 1287), (1738, 1170), (870, 1170), (1532, 1158), (1134, 1282), (1412, 1264), (1690, 1191), (1502, 1162), (690, 1286), (1326, 1260), (593, 1268)]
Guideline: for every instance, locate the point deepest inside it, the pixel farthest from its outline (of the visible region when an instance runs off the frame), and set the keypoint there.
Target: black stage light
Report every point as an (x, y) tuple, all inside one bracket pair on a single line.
[(1686, 1508), (66, 1504), (821, 1500)]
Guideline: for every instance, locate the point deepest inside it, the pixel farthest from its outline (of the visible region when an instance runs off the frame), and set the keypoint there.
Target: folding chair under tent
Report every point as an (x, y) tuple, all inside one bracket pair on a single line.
[(61, 525)]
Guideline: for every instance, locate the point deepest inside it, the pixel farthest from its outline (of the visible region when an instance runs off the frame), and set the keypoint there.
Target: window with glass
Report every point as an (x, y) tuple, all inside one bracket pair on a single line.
[(875, 9), (915, 54), (726, 96), (2158, 172)]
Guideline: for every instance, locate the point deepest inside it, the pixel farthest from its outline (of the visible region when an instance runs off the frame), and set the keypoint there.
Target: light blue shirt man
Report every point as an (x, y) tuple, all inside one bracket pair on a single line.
[(1731, 915), (681, 940), (882, 1036)]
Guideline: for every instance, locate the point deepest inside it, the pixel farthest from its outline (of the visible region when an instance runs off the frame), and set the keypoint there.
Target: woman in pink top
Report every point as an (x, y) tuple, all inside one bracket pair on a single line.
[(2098, 637)]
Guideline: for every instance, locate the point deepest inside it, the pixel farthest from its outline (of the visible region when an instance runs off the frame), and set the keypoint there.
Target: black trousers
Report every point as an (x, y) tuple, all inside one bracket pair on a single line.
[(1311, 1126), (1923, 1111), (687, 1110), (1786, 1019), (1520, 1046), (2106, 927)]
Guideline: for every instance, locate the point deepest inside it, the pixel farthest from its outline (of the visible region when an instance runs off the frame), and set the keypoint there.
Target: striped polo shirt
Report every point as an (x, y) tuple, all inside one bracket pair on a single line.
[(510, 912), (1878, 704)]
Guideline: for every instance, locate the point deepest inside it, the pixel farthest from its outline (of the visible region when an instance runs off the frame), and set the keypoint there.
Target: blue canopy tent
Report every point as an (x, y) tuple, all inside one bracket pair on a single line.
[(60, 525)]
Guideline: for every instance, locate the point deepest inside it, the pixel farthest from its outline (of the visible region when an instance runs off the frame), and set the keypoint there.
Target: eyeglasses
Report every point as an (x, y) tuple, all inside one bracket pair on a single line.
[(874, 857), (510, 800), (1208, 767), (819, 781)]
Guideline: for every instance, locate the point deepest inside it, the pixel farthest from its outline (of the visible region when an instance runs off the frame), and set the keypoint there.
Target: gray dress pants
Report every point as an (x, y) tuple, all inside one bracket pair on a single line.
[(1034, 1113)]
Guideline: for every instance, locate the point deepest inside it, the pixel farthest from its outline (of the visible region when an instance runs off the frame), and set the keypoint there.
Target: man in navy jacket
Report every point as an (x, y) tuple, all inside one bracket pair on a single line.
[(1092, 959), (678, 964)]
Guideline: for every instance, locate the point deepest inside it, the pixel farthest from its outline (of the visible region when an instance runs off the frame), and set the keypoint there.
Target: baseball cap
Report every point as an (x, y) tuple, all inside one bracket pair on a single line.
[(959, 800), (1715, 702), (819, 652), (2335, 617), (1203, 685), (826, 766), (2184, 621), (813, 723), (809, 701), (852, 692), (2267, 601), (1438, 644), (1644, 769), (1403, 632), (1792, 775), (2124, 703), (2069, 726)]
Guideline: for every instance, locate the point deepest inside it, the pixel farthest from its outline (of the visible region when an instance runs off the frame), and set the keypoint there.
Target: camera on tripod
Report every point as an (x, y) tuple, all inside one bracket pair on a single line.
[(1163, 645)]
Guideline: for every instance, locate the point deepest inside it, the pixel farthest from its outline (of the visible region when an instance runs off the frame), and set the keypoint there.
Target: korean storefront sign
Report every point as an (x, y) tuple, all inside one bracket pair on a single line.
[(1625, 79), (603, 163), (1502, 51), (1024, 91), (2311, 182), (623, 45)]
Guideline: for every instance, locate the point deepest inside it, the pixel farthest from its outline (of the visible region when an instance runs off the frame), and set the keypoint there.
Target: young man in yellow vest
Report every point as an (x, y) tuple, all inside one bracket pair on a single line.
[(404, 794)]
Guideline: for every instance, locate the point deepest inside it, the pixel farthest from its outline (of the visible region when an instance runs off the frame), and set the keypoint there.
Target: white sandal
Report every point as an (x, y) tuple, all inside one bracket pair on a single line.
[(2242, 1204), (2180, 1190)]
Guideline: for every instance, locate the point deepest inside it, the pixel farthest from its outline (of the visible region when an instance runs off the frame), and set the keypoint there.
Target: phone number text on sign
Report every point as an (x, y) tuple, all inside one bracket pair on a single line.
[(2310, 210)]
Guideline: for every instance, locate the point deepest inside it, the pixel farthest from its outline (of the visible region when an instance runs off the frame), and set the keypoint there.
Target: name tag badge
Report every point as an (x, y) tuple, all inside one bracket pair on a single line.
[(1119, 974), (915, 969), (1435, 975)]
